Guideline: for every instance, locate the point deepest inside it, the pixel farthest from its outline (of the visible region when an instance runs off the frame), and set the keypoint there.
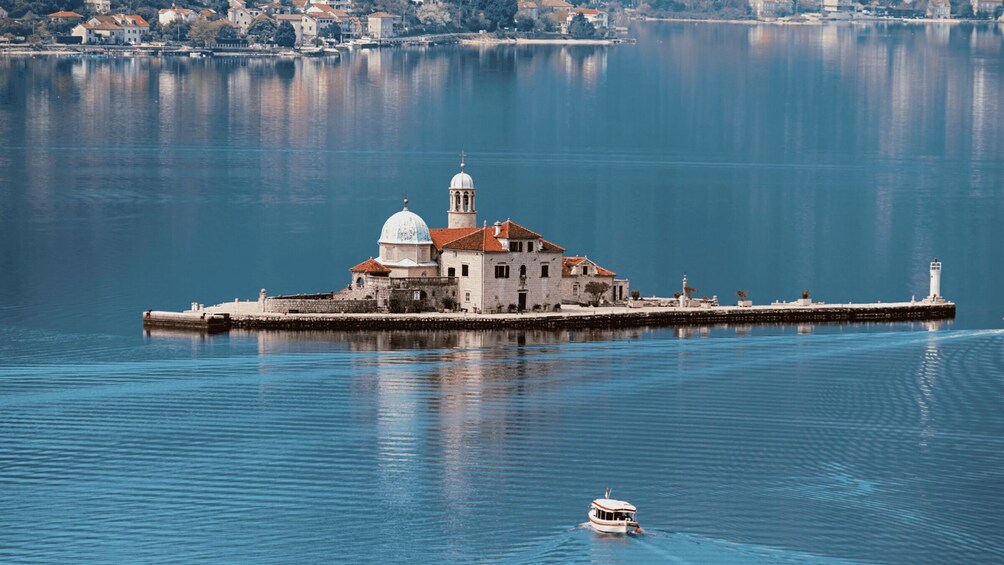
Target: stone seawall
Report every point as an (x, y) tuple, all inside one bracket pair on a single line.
[(311, 305), (601, 320)]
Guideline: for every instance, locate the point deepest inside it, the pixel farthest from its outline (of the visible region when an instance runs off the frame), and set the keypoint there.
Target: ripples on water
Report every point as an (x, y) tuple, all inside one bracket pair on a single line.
[(879, 447)]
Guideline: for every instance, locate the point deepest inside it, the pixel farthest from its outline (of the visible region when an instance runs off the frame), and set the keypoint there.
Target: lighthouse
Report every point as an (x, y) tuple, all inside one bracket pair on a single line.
[(935, 295)]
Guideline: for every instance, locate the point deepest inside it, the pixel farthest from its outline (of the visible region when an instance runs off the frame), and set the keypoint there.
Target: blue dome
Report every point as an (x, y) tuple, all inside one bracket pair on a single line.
[(405, 227)]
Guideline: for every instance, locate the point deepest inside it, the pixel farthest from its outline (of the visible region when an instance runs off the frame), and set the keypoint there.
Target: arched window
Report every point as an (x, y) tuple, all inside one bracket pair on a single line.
[(467, 204), (360, 282), (457, 206), (472, 203)]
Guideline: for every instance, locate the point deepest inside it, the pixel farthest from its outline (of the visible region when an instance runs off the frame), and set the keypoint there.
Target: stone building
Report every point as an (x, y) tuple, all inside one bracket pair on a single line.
[(503, 267), (577, 272)]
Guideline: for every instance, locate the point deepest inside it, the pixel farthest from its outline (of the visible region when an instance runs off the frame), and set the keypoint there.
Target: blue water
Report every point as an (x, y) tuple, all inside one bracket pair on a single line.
[(839, 159)]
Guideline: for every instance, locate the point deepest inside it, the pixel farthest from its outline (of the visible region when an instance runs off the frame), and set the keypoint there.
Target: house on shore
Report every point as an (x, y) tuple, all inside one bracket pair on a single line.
[(576, 275), (120, 29), (175, 14), (990, 7), (599, 19), (382, 25)]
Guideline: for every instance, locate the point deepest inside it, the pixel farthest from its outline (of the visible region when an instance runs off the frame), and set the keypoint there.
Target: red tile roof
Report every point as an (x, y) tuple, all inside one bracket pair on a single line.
[(370, 266), (584, 11), (479, 240), (442, 236), (66, 15), (511, 230), (484, 239), (132, 19), (568, 262), (381, 15), (548, 247)]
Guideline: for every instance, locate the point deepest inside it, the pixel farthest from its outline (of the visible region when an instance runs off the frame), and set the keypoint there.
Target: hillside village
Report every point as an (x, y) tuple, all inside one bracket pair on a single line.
[(290, 23)]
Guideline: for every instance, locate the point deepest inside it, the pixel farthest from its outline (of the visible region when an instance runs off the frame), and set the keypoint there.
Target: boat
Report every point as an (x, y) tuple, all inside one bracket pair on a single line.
[(612, 516)]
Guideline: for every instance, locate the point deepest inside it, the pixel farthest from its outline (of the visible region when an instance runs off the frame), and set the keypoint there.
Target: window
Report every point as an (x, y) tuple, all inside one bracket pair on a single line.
[(501, 271), (463, 270), (451, 272), (467, 297), (575, 289), (522, 271), (529, 247), (515, 246), (585, 270), (543, 271)]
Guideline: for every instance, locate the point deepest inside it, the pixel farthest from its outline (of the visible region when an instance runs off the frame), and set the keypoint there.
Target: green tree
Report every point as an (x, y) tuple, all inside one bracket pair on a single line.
[(285, 36), (333, 31), (204, 31), (580, 28), (525, 23), (175, 31), (597, 290), (499, 13), (226, 31), (261, 31)]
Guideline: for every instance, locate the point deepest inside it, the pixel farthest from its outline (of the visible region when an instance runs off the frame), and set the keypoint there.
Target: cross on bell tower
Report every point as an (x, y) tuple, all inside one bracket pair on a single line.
[(462, 212)]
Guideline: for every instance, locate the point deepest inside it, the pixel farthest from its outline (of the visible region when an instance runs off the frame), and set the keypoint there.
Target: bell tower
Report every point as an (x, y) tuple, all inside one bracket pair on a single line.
[(462, 212)]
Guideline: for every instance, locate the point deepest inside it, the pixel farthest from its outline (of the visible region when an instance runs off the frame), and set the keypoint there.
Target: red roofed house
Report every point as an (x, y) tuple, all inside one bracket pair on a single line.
[(577, 272), (65, 16), (117, 29), (503, 267), (597, 18)]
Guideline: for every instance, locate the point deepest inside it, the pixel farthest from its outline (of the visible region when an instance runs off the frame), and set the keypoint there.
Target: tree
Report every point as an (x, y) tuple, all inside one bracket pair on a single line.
[(434, 15), (285, 36), (597, 289), (226, 31), (333, 31), (204, 31), (580, 28), (499, 13), (525, 24), (262, 31), (175, 31), (742, 294)]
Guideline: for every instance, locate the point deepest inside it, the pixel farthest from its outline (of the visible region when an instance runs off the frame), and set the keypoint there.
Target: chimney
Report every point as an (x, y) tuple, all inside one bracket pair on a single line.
[(498, 228)]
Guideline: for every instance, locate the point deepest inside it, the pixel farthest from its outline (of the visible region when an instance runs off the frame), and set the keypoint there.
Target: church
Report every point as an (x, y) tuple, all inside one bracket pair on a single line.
[(502, 267)]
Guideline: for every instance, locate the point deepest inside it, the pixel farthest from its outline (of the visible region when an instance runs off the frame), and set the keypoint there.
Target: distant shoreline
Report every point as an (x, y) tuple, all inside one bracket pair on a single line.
[(817, 21)]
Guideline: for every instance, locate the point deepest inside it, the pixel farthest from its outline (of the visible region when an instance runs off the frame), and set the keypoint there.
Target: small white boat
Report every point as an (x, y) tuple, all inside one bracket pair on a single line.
[(613, 516)]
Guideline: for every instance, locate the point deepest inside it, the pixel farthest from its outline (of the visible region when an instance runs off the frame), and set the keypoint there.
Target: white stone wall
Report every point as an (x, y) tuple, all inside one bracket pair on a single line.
[(471, 283), (499, 293)]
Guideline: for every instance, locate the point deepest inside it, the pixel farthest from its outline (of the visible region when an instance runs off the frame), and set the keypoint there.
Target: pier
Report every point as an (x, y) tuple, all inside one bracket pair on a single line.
[(242, 315)]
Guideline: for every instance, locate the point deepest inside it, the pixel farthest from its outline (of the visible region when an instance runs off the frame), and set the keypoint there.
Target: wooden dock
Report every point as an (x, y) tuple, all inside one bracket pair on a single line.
[(216, 319)]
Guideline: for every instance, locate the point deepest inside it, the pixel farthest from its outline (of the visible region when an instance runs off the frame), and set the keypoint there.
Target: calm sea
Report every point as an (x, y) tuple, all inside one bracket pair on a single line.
[(839, 159)]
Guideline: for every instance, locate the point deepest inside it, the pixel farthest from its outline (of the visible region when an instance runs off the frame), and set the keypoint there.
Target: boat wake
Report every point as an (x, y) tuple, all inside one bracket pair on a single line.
[(583, 544)]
